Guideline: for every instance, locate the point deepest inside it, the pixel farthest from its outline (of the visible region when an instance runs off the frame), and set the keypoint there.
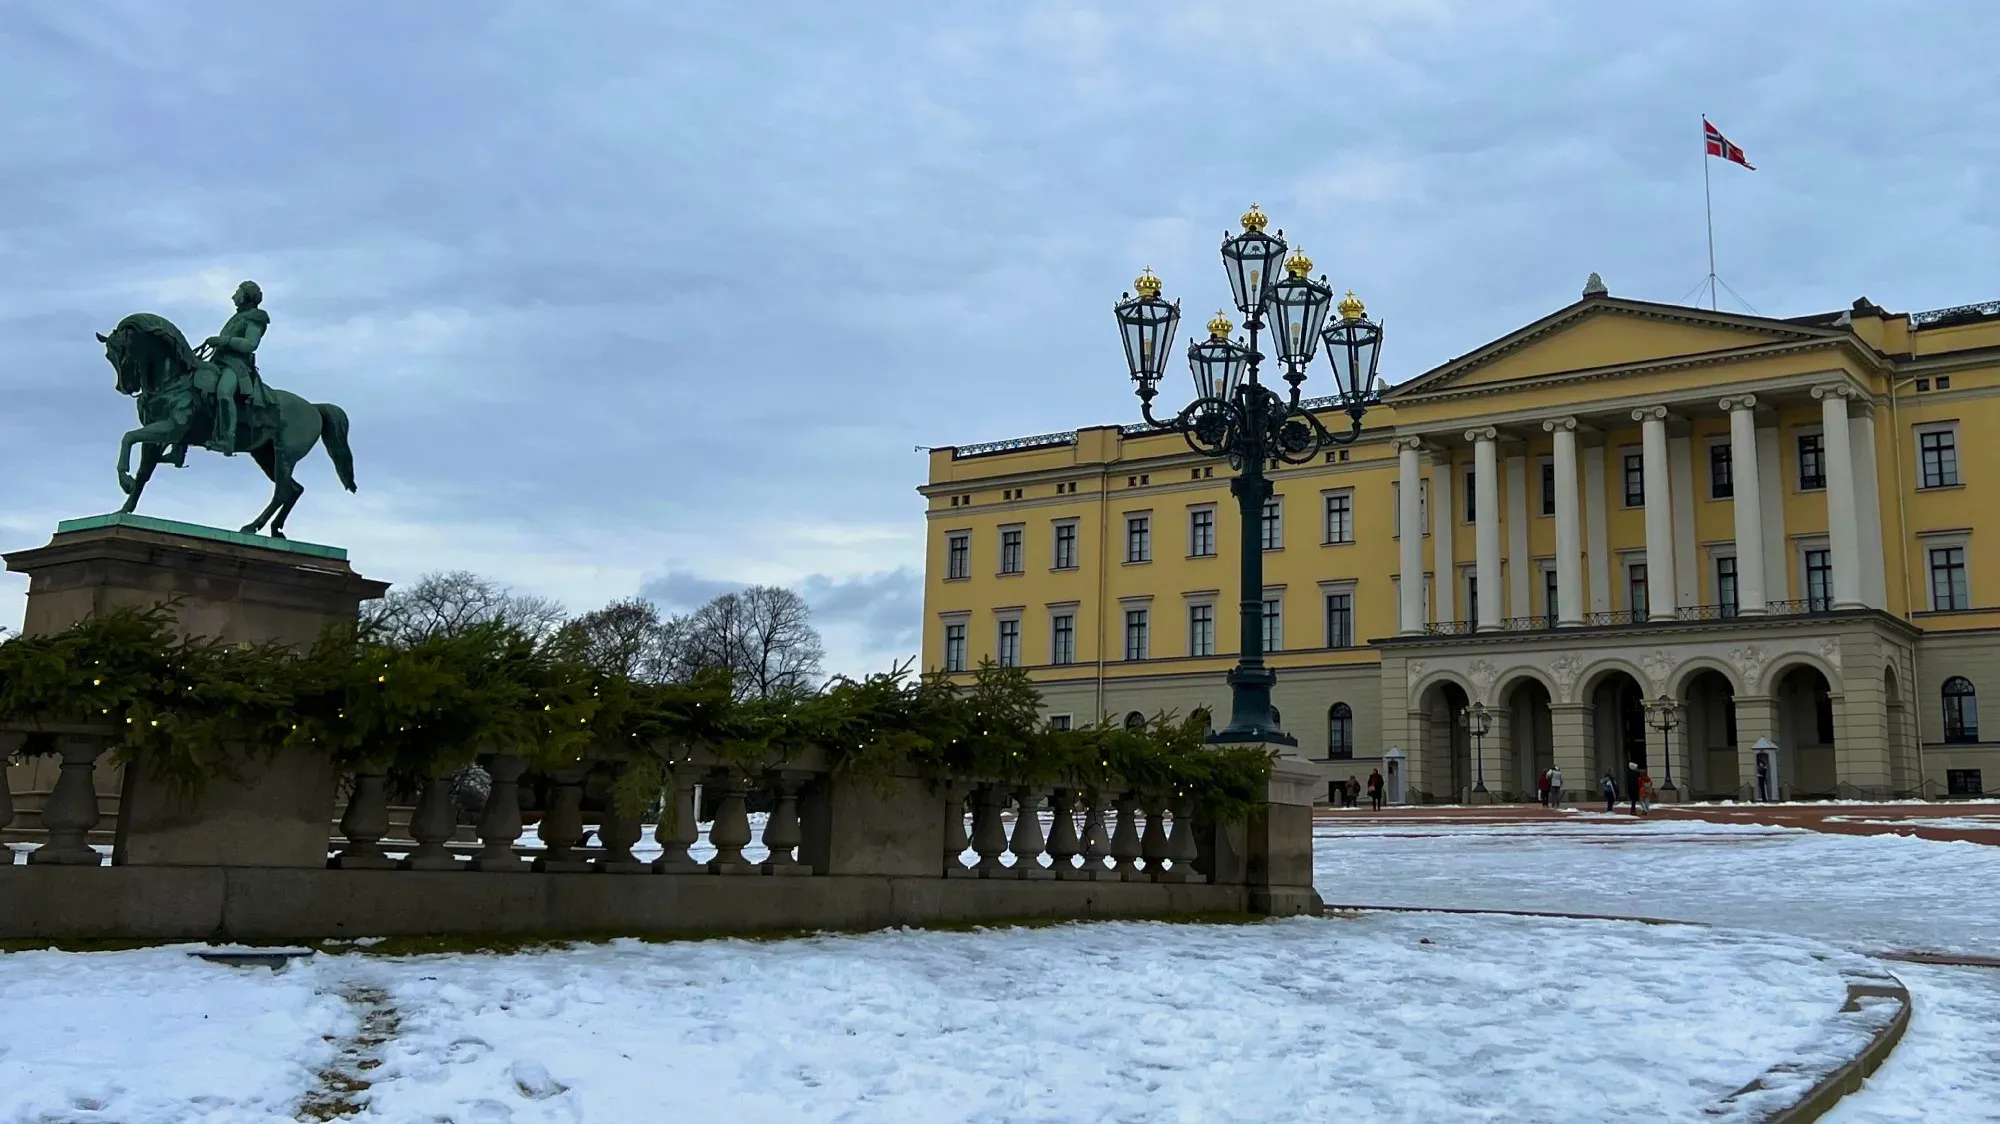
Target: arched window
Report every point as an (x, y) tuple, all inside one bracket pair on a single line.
[(1961, 710), (1135, 721), (1340, 732)]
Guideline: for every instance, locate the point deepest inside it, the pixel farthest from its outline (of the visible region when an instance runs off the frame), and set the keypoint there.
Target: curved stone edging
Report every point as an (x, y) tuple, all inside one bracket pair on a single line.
[(1867, 1027)]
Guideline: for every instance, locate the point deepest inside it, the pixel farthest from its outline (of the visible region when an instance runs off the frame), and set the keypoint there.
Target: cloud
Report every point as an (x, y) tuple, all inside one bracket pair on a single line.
[(680, 592)]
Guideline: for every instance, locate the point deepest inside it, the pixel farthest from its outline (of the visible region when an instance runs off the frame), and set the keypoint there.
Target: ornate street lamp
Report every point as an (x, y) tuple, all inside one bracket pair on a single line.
[(1663, 714), (1236, 417), (1478, 722)]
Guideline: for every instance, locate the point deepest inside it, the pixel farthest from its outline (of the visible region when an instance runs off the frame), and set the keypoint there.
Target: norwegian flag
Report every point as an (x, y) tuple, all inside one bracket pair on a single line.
[(1719, 145)]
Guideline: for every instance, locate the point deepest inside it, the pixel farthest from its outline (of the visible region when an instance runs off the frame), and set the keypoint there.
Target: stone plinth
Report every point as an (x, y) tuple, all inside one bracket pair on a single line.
[(238, 588)]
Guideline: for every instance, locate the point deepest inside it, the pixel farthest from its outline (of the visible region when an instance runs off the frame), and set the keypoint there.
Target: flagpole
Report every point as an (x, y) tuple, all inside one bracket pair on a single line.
[(1708, 210)]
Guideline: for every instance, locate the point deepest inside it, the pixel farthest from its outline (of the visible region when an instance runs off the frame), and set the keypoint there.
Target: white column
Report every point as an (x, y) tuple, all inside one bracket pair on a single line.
[(1687, 558), (1596, 531), (1868, 505), (1486, 531), (1411, 594), (1520, 591), (1444, 512), (1843, 532), (1569, 540), (1778, 561), (1749, 503), (1659, 515)]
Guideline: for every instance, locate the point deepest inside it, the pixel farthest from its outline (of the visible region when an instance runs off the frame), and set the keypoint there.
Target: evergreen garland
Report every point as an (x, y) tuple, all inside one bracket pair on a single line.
[(185, 708)]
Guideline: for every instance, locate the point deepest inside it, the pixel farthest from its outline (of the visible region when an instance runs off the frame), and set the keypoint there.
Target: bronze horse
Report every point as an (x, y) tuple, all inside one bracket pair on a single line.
[(175, 387)]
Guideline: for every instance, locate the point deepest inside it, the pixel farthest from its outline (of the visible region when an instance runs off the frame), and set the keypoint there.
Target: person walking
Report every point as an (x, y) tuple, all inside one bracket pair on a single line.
[(1353, 791), (1609, 788), (1645, 791), (1375, 789), (1542, 788), (1632, 787), (1555, 786)]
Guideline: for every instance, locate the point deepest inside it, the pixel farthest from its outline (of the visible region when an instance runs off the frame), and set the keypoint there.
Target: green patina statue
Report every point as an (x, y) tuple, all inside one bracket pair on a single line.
[(214, 396)]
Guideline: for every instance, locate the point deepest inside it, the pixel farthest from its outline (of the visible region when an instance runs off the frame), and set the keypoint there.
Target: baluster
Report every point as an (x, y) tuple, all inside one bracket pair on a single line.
[(617, 832), (1153, 841), (1096, 843), (500, 823), (678, 829), (731, 831), (955, 839), (561, 829), (364, 824), (781, 830), (1063, 843), (71, 811), (989, 834), (1125, 840), (1027, 842), (432, 824), (1182, 850)]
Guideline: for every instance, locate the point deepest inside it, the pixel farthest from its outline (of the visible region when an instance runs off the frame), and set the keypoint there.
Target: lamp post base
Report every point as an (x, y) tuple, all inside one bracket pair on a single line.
[(1250, 718)]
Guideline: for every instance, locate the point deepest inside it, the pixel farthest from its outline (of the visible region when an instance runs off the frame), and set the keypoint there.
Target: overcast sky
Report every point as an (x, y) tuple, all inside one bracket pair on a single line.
[(661, 296)]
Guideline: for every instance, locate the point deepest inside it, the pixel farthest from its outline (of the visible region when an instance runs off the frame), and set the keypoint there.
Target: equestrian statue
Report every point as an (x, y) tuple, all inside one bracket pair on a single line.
[(213, 396)]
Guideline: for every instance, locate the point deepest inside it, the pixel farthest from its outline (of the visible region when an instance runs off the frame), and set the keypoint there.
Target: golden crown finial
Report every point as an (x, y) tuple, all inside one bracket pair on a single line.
[(1351, 307), (1220, 327), (1147, 284), (1298, 265), (1254, 219)]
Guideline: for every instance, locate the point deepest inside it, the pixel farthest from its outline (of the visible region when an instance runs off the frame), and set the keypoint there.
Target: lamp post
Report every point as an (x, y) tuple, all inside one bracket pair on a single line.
[(1663, 714), (1478, 722), (1236, 417)]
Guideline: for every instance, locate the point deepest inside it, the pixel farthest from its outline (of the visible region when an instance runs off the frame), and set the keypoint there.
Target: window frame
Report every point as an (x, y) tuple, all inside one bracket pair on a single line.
[(1961, 721), (1271, 622), (1196, 649), (1548, 478), (1342, 500), (1340, 732), (1201, 518), (1014, 555), (1631, 460), (1809, 553), (1058, 539), (1059, 654), (1327, 593), (962, 625), (1961, 590), (1954, 478), (1638, 587), (1138, 537), (1800, 480), (1271, 524), (1002, 633), (1721, 454), (1139, 618), (958, 556), (1729, 601), (1470, 480)]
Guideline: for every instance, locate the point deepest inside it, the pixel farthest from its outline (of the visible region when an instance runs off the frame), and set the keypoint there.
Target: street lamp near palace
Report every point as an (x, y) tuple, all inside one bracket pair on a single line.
[(1663, 714), (1234, 416), (1478, 722)]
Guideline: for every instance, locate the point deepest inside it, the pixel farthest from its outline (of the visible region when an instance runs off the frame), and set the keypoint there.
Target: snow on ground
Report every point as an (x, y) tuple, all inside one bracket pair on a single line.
[(1949, 823), (1873, 893), (157, 1037), (1382, 1018)]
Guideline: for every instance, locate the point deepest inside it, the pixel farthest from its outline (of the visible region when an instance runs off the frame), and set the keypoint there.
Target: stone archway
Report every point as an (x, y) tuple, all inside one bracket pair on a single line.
[(1620, 739), (1531, 738), (1708, 733), (1806, 757), (1447, 749)]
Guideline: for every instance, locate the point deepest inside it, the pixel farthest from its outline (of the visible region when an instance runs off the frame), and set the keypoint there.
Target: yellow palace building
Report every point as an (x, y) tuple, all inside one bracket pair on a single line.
[(1772, 521)]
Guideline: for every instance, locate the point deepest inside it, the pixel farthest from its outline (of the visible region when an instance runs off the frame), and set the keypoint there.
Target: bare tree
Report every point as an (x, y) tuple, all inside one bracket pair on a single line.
[(762, 635), (627, 637), (444, 604)]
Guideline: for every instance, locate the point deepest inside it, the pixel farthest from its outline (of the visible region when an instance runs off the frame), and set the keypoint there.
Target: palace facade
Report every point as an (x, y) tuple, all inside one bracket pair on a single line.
[(1772, 521)]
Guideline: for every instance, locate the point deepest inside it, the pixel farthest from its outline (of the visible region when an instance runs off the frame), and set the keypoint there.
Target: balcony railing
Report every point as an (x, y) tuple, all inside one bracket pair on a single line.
[(1527, 624), (1450, 628), (1623, 617), (1615, 617), (1810, 606)]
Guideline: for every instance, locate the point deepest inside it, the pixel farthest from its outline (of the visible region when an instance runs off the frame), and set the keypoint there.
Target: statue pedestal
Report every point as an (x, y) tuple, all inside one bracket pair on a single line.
[(241, 589)]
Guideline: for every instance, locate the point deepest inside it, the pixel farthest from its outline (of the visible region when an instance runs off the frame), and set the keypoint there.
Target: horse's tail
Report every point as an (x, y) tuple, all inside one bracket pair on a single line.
[(333, 433)]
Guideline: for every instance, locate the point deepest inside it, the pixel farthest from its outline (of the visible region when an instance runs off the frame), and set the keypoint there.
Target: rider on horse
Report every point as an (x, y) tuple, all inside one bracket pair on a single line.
[(233, 350)]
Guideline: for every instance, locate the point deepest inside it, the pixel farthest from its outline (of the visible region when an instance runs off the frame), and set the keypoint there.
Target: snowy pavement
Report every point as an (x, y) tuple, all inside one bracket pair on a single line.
[(1868, 893)]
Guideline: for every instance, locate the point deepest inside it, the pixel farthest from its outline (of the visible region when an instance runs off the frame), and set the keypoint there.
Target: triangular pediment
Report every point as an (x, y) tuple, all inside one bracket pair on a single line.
[(1602, 333)]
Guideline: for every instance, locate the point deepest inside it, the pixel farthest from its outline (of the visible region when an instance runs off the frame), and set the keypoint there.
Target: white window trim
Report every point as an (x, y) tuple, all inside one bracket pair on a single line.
[(1945, 540), (1917, 432), (1152, 538), (1274, 593), (1621, 585), (1423, 506), (1326, 497), (1068, 609), (966, 534), (1792, 443), (963, 619), (1716, 553), (1334, 587), (1708, 466), (1127, 605), (1805, 543), (1279, 500), (1212, 530), (1000, 549), (1076, 541), (1631, 451), (1543, 568), (1199, 599), (1011, 614)]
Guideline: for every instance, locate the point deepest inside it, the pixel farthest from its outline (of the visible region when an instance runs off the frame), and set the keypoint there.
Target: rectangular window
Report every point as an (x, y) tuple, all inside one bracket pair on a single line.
[(1472, 595), (1135, 634), (1138, 538), (1340, 620), (1937, 453), (1274, 633), (1963, 782), (1340, 517), (1812, 462), (1010, 550), (1201, 532), (1010, 643), (1551, 596), (1721, 472), (1065, 556), (1636, 592), (1548, 487), (1819, 580), (954, 647), (958, 557), (1725, 585), (1948, 589), (1271, 530), (1471, 497), (1062, 639), (1635, 479), (1059, 721), (1201, 630)]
